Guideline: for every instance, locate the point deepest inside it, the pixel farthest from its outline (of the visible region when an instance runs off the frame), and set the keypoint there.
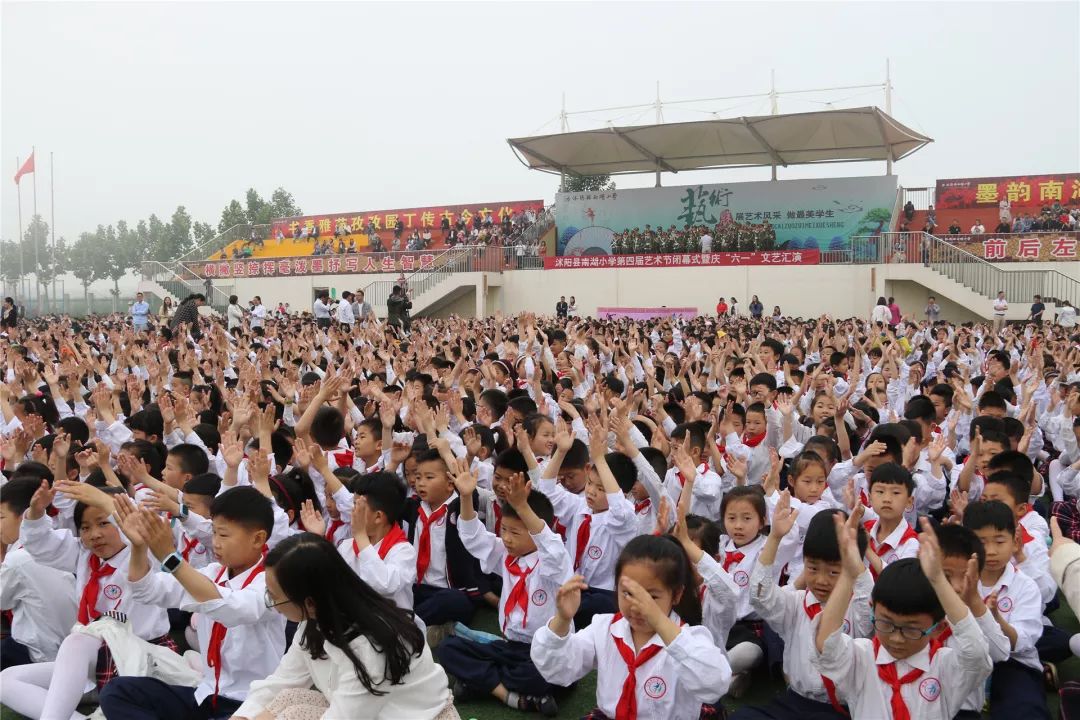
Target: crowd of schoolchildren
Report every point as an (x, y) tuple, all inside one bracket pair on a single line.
[(683, 507)]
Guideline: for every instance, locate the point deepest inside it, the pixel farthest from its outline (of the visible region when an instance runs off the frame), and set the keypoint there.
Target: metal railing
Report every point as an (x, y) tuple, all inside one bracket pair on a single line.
[(922, 198), (180, 281), (955, 263), (219, 242)]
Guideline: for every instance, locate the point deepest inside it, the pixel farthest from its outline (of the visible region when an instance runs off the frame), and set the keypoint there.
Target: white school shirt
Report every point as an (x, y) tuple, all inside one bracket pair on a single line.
[(899, 547), (740, 570), (672, 685), (437, 575), (947, 679), (1036, 563), (807, 511), (998, 646), (1020, 604), (42, 601), (60, 550), (392, 577), (550, 565), (255, 637), (719, 596), (705, 497), (422, 694), (785, 610), (609, 531)]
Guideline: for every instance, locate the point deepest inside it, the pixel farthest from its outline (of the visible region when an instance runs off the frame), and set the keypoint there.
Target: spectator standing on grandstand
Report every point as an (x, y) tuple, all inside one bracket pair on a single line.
[(1037, 310), (10, 316), (234, 314), (721, 308), (1066, 315), (776, 314), (881, 313), (167, 308), (909, 210), (321, 309), (931, 215), (397, 308), (733, 307), (1001, 306), (1003, 226), (978, 228), (706, 243), (561, 308), (1005, 211), (933, 310), (954, 228), (756, 308), (208, 288)]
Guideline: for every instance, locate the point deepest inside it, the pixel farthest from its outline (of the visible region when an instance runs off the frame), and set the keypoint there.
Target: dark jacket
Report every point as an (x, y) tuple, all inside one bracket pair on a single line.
[(462, 569), (396, 309)]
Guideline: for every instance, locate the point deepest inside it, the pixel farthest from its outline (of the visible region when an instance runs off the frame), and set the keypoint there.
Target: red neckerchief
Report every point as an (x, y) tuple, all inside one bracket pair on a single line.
[(423, 550), (884, 548), (396, 536), (519, 594), (190, 544), (218, 631), (732, 557), (582, 539), (344, 458), (626, 709), (812, 612), (88, 602), (888, 674), (334, 526), (642, 506), (752, 440), (1025, 536)]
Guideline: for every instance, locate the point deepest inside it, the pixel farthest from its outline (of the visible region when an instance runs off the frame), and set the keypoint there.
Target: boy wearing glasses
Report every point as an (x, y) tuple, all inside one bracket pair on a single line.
[(901, 673)]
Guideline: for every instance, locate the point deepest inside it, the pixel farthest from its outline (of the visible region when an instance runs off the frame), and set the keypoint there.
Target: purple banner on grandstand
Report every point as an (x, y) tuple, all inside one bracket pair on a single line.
[(646, 313), (789, 215)]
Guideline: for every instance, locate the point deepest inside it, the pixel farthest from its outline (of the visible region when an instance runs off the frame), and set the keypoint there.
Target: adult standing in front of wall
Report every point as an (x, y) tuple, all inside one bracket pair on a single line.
[(1001, 306), (756, 308)]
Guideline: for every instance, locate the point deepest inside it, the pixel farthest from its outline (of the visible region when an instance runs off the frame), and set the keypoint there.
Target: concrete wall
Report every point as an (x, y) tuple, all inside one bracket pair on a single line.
[(299, 291)]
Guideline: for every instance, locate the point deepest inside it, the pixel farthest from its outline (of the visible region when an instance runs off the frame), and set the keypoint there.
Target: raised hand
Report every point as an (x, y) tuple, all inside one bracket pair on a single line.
[(464, 479), (568, 599), (783, 518), (930, 552), (312, 519)]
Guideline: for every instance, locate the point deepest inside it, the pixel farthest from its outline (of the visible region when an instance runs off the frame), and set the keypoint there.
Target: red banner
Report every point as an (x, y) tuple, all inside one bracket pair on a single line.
[(1022, 191), (421, 218), (318, 265), (722, 259)]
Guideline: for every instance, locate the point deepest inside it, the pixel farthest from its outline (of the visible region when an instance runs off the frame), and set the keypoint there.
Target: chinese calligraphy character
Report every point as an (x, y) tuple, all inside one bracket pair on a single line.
[(427, 219), (300, 266), (388, 264), (352, 263), (1050, 190), (1018, 192), (370, 265), (253, 268), (238, 269), (986, 193), (324, 225), (317, 265), (408, 262), (284, 267), (695, 208), (408, 219), (333, 264), (1075, 194), (1064, 247), (391, 221), (427, 261), (994, 249), (1029, 248)]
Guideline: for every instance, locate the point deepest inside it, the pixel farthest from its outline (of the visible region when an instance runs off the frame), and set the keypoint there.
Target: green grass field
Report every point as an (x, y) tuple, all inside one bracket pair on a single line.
[(575, 702)]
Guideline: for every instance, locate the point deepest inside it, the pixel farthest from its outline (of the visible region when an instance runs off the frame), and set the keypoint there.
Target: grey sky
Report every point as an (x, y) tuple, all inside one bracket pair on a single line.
[(368, 106)]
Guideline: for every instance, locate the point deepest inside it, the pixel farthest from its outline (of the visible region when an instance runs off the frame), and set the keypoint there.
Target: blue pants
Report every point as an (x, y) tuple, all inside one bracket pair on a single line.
[(1053, 645), (13, 653), (788, 706), (1017, 691), (437, 606), (484, 666), (594, 601), (142, 698)]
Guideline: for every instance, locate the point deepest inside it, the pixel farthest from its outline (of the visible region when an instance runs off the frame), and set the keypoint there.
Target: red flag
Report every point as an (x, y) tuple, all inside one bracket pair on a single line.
[(28, 167)]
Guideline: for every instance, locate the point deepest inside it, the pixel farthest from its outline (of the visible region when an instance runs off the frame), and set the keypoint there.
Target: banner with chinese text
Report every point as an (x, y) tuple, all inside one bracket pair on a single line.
[(420, 218), (1020, 247), (818, 214), (646, 313), (1022, 191), (322, 265), (727, 259)]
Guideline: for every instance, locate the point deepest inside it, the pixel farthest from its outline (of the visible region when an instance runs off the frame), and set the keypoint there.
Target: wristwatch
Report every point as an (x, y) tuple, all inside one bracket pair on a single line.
[(184, 510), (172, 563)]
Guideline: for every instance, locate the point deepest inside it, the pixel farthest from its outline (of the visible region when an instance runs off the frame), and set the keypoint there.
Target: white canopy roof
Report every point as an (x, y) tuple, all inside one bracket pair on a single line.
[(796, 139)]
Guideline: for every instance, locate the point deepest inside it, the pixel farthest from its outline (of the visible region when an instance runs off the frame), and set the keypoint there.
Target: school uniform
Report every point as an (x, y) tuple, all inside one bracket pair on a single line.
[(388, 566), (240, 641), (530, 584), (42, 602), (998, 646), (902, 542), (753, 449), (594, 541), (449, 582), (659, 681), (719, 596), (790, 613), (807, 511), (707, 493), (1016, 685), (932, 684), (739, 563), (421, 695)]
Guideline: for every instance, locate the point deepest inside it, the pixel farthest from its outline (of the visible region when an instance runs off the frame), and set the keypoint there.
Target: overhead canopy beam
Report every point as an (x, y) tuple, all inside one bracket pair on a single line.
[(637, 146), (777, 160)]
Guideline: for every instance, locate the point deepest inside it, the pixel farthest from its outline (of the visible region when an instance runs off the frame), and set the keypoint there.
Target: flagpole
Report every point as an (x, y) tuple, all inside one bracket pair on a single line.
[(19, 244), (37, 262), (52, 227)]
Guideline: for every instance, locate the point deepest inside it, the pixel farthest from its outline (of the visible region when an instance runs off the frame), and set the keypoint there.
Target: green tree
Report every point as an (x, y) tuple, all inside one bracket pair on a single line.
[(15, 257), (587, 183), (202, 232), (283, 204), (873, 222), (86, 262), (176, 238), (258, 211), (118, 255), (233, 214)]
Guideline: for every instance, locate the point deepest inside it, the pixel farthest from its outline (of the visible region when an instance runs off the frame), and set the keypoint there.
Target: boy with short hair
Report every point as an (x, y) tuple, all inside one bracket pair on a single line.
[(970, 476), (891, 537), (1032, 557), (240, 639), (534, 564), (1016, 685), (688, 444), (901, 674)]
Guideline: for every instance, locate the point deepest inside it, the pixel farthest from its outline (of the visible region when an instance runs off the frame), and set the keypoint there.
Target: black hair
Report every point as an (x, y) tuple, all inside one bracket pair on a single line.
[(778, 349), (533, 422), (512, 460), (892, 474), (148, 421), (903, 588), (766, 379), (944, 392), (191, 457), (310, 570), (523, 405), (673, 567), (920, 408), (538, 503), (496, 400), (802, 461), (328, 427), (992, 400), (656, 459), (893, 448), (708, 533), (291, 489), (76, 428), (210, 436), (749, 493), (1018, 487), (207, 484), (825, 443), (81, 507), (1015, 462), (384, 493), (245, 506), (623, 469), (989, 514), (959, 541), (1000, 438), (1014, 429), (16, 494), (149, 454), (985, 424), (819, 543), (36, 470), (691, 435), (431, 455), (577, 457)]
